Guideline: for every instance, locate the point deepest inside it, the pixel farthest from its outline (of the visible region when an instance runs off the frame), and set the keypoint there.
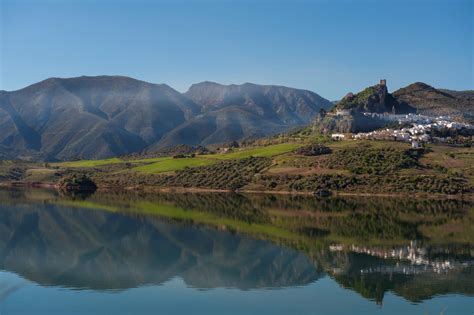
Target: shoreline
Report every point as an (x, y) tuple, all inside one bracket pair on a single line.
[(151, 189)]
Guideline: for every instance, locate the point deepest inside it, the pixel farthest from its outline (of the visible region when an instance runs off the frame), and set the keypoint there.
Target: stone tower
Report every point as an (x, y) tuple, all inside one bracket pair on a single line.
[(383, 82)]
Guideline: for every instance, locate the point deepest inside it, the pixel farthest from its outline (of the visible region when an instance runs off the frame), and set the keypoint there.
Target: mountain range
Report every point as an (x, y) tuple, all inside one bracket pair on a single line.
[(99, 117), (104, 116)]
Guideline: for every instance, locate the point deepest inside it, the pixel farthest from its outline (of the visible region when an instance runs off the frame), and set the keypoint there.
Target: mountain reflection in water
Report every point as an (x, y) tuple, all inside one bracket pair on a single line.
[(80, 248), (416, 249)]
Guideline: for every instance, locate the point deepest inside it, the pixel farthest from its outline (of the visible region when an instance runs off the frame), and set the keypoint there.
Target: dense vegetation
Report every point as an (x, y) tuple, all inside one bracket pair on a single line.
[(307, 183), (226, 174), (11, 171), (378, 161), (422, 183), (359, 98), (77, 182), (343, 166), (313, 150), (232, 174)]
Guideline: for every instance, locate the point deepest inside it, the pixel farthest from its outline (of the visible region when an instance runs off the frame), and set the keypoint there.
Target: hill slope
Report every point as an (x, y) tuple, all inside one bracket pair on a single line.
[(430, 101), (104, 116), (89, 117), (347, 114), (232, 112), (278, 103)]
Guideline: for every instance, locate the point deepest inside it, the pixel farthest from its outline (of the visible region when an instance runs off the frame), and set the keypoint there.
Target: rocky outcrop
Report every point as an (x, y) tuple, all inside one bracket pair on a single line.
[(374, 99), (350, 123), (347, 115)]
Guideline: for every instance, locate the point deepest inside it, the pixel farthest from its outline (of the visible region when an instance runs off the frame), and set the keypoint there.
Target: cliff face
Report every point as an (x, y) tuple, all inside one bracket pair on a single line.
[(347, 115), (372, 99), (353, 122), (375, 99)]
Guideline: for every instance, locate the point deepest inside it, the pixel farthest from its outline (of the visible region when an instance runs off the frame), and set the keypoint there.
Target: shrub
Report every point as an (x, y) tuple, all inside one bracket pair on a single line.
[(313, 150), (377, 161)]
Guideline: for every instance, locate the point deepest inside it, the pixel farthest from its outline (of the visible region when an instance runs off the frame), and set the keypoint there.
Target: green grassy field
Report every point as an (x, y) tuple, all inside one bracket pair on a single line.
[(267, 151), (449, 169), (96, 163), (90, 163), (168, 164)]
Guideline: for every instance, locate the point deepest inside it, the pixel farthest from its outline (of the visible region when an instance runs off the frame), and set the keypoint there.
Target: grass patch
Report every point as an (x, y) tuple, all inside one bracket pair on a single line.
[(167, 164), (268, 151), (170, 164), (90, 163)]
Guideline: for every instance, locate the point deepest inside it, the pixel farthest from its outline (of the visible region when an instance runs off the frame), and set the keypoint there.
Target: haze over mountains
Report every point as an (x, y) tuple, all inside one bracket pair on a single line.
[(104, 116), (98, 117)]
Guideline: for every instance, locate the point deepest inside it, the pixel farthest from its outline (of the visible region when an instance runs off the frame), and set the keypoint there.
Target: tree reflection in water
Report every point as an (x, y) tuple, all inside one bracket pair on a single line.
[(239, 241)]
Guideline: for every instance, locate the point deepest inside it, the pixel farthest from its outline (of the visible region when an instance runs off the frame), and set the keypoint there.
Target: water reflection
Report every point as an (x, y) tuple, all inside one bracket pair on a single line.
[(119, 241), (79, 248)]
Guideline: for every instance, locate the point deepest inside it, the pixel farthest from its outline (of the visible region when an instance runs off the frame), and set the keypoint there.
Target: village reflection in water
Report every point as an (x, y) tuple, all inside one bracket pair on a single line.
[(416, 249)]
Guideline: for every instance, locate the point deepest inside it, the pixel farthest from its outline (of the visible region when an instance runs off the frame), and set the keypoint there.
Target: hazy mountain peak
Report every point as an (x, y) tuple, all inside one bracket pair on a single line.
[(102, 116)]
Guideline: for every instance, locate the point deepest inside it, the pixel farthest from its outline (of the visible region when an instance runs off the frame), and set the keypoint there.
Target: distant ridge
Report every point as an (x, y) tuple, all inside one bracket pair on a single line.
[(92, 117), (431, 101)]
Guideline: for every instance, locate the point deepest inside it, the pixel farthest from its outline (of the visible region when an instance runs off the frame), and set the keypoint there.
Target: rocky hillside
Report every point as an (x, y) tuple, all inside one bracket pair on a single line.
[(100, 117), (372, 99), (375, 99), (430, 101), (347, 114), (244, 111), (278, 103), (89, 117)]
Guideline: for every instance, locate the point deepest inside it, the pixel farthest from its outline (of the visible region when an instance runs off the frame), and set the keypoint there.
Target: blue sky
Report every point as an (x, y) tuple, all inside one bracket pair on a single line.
[(330, 47)]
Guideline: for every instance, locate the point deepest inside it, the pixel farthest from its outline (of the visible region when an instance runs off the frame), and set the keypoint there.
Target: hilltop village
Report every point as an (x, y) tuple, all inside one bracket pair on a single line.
[(374, 114), (416, 129)]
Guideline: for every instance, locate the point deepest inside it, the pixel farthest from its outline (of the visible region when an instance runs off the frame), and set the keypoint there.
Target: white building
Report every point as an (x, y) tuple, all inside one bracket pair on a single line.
[(338, 136), (343, 112)]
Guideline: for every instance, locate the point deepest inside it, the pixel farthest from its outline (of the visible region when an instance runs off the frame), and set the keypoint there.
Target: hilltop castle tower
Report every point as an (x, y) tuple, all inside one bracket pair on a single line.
[(383, 82)]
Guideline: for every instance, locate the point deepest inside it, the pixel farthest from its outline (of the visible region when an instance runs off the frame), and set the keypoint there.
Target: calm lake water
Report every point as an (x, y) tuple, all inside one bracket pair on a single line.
[(233, 254)]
